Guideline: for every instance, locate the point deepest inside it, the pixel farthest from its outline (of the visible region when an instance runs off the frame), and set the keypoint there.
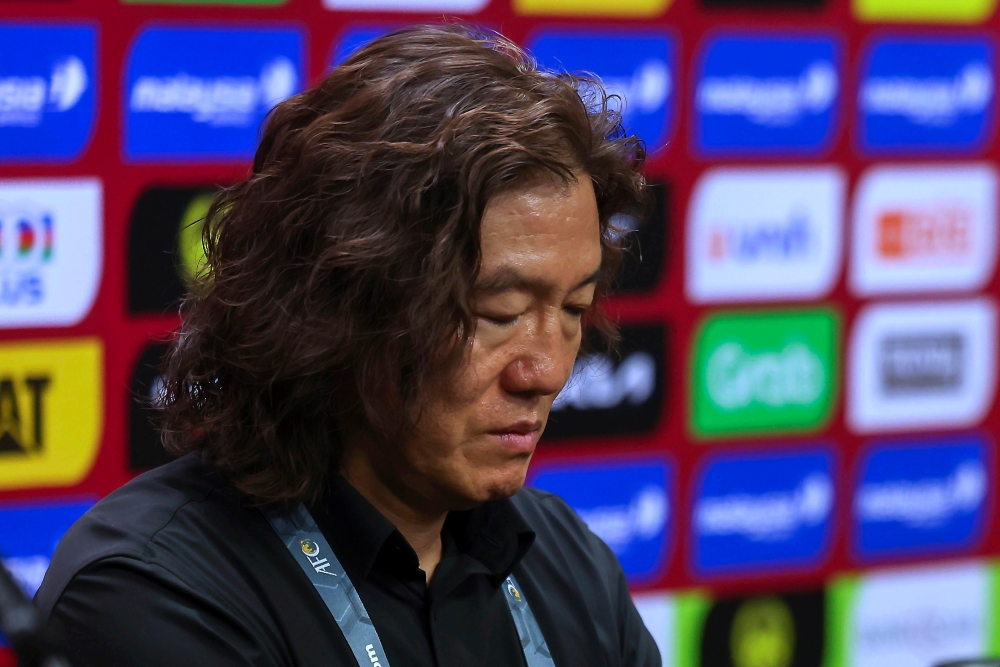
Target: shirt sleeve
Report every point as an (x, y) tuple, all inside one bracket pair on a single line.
[(638, 646), (123, 613)]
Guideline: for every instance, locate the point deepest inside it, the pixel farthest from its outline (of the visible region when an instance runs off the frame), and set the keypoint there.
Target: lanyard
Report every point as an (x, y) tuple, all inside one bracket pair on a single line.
[(310, 550)]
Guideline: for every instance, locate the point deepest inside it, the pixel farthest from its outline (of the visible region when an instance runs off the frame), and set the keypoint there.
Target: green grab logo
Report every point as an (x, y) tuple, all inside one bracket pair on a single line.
[(763, 372)]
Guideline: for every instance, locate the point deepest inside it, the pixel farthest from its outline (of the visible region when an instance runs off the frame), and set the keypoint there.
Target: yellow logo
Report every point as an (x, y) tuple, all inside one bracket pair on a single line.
[(924, 11), (51, 402), (632, 8), (190, 247), (763, 634), (309, 547), (514, 592)]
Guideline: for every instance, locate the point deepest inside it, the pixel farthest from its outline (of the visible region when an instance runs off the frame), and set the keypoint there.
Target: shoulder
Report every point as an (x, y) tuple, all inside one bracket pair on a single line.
[(551, 518), (151, 521), (562, 536)]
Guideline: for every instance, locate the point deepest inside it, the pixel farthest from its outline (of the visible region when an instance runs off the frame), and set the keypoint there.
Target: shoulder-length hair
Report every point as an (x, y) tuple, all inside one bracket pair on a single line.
[(339, 274)]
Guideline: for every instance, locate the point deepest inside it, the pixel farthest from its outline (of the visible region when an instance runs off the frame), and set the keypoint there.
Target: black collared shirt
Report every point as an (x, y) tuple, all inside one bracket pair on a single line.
[(176, 569)]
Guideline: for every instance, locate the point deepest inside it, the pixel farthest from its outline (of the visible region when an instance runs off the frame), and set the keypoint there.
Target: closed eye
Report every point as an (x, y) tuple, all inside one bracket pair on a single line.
[(502, 321)]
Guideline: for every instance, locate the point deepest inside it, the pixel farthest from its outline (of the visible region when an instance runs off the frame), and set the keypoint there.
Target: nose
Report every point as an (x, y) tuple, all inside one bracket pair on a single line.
[(543, 363)]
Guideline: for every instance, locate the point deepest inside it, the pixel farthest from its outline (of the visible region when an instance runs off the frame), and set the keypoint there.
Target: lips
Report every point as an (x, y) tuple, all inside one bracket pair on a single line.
[(519, 438)]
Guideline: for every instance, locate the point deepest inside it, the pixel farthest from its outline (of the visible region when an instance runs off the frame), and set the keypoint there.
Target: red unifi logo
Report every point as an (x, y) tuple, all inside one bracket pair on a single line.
[(942, 232)]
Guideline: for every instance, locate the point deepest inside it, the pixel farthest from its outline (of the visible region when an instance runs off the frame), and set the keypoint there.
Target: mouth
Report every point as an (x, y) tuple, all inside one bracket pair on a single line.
[(519, 438)]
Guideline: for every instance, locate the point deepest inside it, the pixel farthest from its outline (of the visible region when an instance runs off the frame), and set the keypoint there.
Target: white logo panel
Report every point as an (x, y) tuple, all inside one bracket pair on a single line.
[(920, 616), (765, 234), (924, 229), (50, 250), (659, 614), (922, 365)]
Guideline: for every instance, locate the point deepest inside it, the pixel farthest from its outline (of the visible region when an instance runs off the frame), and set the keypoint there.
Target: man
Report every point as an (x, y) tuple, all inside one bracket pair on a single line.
[(389, 305)]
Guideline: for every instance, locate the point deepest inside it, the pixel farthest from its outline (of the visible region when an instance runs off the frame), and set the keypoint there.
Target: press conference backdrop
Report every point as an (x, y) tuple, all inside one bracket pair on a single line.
[(794, 454)]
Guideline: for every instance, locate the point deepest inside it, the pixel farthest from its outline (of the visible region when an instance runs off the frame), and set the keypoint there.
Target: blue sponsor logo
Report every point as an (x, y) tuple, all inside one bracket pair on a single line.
[(929, 95), (640, 67), (763, 511), (921, 497), (767, 94), (202, 94), (47, 83), (353, 39), (29, 534), (626, 504)]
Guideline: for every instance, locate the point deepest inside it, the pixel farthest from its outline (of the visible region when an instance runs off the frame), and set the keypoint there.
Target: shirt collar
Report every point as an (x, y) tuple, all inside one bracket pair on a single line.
[(494, 534)]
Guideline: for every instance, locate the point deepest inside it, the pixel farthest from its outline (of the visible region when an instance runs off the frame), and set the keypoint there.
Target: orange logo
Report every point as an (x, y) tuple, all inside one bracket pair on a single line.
[(911, 234)]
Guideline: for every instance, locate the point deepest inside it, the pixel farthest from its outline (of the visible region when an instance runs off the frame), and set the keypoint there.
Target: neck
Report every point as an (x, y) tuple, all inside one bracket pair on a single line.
[(421, 527)]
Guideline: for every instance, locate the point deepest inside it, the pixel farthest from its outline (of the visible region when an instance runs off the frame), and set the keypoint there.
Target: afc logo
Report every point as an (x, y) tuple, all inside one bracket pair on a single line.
[(311, 551)]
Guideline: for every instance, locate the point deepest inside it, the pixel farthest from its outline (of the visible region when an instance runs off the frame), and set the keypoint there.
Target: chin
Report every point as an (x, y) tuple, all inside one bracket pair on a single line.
[(501, 486)]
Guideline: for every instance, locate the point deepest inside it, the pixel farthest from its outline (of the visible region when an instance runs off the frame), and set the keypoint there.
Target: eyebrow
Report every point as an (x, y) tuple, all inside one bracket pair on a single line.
[(509, 278)]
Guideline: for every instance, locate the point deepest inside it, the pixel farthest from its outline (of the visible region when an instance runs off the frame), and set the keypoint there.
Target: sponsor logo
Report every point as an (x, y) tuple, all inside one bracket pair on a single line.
[(200, 94), (765, 631), (913, 617), (765, 233), (644, 245), (764, 372), (936, 11), (920, 94), (165, 246), (924, 229), (765, 94), (659, 613), (763, 511), (913, 498), (447, 6), (922, 365), (51, 401), (625, 503), (230, 3), (353, 40), (743, 4), (145, 448), (50, 250), (630, 8), (639, 67), (29, 534), (47, 82), (617, 395), (320, 565), (373, 655)]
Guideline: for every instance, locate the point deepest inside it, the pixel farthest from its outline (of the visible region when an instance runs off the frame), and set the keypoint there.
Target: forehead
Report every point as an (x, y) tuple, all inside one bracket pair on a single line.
[(551, 227)]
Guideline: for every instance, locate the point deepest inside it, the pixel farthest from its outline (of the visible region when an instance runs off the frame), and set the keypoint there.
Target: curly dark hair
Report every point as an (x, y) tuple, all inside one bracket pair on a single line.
[(339, 274)]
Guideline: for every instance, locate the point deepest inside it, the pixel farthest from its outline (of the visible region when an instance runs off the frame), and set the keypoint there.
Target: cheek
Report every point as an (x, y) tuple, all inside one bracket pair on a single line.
[(452, 408)]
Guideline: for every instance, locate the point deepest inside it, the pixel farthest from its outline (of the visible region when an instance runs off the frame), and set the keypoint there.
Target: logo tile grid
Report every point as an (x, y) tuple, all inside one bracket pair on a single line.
[(920, 229), (816, 85)]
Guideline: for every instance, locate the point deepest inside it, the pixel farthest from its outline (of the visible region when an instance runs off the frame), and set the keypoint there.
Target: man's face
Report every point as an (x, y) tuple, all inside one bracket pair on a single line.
[(476, 430)]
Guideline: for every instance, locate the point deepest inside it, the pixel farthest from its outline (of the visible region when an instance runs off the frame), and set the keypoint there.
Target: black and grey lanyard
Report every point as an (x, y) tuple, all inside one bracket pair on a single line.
[(310, 550)]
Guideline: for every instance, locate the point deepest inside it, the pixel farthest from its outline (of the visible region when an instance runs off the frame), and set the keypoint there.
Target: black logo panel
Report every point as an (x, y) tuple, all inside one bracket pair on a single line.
[(644, 244), (614, 395), (765, 631), (164, 246), (144, 447)]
